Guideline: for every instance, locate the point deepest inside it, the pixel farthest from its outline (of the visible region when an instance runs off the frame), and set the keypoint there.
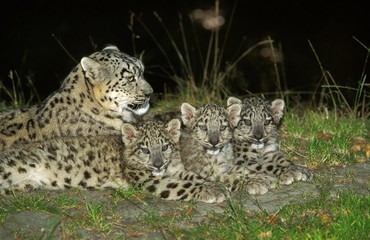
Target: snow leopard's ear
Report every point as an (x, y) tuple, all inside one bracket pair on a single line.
[(187, 113), (129, 134), (110, 47), (93, 70), (233, 100), (277, 109), (173, 129), (233, 111)]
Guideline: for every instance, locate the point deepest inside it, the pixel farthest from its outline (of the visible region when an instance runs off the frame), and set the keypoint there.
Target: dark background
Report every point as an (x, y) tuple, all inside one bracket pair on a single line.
[(28, 46)]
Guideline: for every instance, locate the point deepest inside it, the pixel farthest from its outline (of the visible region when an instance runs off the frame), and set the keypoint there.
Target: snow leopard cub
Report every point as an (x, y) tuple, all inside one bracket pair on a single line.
[(256, 140), (206, 148)]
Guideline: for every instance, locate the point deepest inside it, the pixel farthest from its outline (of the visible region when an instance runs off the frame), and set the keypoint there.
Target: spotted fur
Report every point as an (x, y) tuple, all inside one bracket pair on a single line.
[(148, 157), (256, 140), (207, 148), (206, 139), (106, 89)]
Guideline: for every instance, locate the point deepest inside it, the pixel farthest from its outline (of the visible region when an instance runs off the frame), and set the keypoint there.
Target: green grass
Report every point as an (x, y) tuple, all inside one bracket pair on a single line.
[(320, 138), (96, 219), (344, 217), (16, 204), (131, 193)]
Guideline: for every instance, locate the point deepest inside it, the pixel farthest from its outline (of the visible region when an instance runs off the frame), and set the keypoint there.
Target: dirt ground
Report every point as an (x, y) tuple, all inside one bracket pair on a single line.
[(131, 214)]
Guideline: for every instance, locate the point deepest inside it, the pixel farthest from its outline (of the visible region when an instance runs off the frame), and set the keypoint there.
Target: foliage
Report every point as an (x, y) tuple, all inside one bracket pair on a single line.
[(199, 66), (334, 93), (14, 95), (319, 138)]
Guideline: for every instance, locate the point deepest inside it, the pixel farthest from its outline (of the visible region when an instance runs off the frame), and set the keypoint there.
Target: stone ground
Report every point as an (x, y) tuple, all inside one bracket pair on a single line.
[(43, 225)]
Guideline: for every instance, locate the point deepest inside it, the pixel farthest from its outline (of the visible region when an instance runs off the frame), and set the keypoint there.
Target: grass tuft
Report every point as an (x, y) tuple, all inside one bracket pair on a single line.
[(334, 94), (199, 66), (14, 96)]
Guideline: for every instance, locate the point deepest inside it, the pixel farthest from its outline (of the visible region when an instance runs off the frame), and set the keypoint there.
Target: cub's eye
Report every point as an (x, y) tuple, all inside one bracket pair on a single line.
[(202, 127), (267, 121), (223, 127), (145, 150), (248, 122), (164, 147)]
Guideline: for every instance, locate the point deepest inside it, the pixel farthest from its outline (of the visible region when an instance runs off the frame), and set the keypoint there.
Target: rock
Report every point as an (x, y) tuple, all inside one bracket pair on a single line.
[(31, 225)]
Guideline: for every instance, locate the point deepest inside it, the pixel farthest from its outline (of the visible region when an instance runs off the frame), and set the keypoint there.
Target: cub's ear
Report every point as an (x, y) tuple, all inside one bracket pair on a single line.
[(173, 129), (129, 134), (187, 113), (233, 100), (93, 70), (233, 111), (277, 109)]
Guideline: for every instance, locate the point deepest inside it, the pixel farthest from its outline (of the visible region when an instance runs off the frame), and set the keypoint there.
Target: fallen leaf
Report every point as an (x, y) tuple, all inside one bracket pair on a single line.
[(356, 147), (272, 219), (344, 180), (325, 218), (325, 136), (361, 160), (135, 234), (188, 211)]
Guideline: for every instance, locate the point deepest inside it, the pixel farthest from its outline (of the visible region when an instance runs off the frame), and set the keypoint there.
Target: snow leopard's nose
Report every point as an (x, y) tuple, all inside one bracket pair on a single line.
[(157, 162), (146, 87), (258, 134), (213, 139)]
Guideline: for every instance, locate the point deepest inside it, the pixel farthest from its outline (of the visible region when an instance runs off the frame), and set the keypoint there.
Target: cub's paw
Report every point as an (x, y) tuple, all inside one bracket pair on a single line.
[(259, 184), (210, 192), (295, 173), (175, 189)]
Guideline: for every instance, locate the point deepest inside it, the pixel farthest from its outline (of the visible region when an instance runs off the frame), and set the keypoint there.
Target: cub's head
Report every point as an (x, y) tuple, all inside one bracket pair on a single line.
[(117, 81), (211, 125), (151, 145), (259, 119)]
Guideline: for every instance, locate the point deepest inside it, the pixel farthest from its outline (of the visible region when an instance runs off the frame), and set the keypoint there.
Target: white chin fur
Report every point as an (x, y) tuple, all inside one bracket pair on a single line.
[(213, 152), (142, 110), (257, 146), (157, 173)]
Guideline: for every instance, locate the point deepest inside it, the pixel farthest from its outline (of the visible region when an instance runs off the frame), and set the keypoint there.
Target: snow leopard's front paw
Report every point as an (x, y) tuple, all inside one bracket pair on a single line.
[(210, 192), (259, 184), (295, 173)]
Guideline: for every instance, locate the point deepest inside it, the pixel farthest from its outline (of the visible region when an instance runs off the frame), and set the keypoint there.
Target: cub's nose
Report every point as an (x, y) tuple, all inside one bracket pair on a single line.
[(158, 163)]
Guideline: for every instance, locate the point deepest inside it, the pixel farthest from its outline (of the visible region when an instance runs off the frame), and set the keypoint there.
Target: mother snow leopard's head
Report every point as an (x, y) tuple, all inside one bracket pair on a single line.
[(117, 81)]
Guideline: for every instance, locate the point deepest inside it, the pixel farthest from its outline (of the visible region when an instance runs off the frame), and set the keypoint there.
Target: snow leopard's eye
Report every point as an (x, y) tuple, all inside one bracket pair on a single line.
[(164, 147), (223, 127), (248, 122), (130, 78), (145, 150), (202, 127)]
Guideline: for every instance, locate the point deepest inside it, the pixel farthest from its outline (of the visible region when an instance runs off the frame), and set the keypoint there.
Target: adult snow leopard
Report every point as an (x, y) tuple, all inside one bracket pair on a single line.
[(103, 91), (146, 155)]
